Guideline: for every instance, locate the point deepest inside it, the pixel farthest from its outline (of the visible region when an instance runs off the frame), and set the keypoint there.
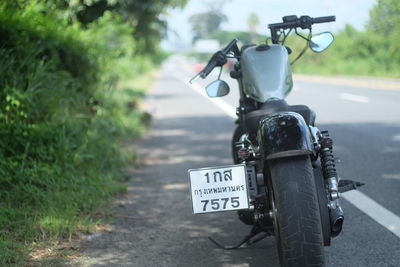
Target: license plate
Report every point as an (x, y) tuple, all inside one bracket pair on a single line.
[(219, 188)]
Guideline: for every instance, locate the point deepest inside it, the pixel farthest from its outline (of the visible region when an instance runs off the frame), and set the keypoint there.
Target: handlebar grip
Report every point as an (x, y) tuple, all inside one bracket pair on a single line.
[(218, 59), (324, 19), (229, 46), (210, 66)]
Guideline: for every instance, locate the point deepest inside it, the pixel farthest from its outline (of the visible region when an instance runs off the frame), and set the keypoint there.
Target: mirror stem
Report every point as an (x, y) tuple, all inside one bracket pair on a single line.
[(220, 72)]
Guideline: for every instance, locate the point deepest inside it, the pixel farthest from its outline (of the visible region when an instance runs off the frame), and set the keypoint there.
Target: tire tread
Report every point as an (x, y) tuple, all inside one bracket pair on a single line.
[(298, 212)]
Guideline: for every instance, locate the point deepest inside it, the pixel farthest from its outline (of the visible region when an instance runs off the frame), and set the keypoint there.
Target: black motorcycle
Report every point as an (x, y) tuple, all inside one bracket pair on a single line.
[(284, 180)]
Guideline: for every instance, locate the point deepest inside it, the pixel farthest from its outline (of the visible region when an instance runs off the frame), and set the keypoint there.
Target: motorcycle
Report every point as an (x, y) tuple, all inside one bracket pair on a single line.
[(284, 180)]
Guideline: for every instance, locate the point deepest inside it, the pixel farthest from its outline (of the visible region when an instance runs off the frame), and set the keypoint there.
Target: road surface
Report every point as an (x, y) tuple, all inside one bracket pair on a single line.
[(154, 225)]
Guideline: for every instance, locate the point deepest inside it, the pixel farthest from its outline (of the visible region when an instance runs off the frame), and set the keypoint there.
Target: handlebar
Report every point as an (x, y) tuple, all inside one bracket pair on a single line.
[(324, 19), (289, 22), (229, 46), (218, 59), (292, 22), (210, 66), (303, 22)]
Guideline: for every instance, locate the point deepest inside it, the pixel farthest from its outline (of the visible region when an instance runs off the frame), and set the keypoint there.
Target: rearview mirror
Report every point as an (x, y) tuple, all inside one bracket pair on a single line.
[(320, 42), (217, 88)]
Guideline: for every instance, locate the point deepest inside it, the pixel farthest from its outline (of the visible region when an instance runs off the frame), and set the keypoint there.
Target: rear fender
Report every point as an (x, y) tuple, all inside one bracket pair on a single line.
[(284, 134)]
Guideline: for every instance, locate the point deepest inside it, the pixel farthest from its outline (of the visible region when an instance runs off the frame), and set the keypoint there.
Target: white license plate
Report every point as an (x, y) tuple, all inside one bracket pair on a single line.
[(219, 188)]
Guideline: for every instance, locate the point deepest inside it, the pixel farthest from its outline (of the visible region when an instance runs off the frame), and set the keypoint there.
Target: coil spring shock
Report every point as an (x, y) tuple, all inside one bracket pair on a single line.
[(327, 157), (332, 180), (328, 165)]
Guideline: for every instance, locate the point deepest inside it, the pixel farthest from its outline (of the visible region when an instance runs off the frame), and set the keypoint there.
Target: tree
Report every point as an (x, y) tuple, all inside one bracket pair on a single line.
[(206, 23), (384, 17), (253, 22), (142, 15), (384, 28)]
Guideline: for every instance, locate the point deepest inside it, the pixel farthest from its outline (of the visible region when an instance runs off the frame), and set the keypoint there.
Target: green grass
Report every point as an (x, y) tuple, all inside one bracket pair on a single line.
[(68, 107)]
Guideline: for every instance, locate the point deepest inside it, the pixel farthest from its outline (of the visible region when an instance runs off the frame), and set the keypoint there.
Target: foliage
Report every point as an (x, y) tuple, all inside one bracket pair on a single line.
[(384, 23), (224, 37), (352, 53), (206, 23), (373, 52), (253, 22), (384, 17), (142, 16), (64, 117)]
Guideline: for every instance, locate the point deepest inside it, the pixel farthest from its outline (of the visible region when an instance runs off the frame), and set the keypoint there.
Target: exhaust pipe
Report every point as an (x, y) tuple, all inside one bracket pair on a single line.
[(336, 216)]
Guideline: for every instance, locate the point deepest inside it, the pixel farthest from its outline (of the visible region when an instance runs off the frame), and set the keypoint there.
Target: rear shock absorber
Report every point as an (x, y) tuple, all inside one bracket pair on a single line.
[(328, 165), (332, 182)]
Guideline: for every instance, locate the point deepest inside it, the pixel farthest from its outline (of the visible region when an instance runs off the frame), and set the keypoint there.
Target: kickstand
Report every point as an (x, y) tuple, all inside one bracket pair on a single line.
[(247, 239), (258, 239)]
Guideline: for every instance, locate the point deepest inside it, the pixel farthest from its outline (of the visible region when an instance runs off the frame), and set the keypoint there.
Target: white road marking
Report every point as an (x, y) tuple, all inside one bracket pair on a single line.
[(391, 176), (377, 212), (396, 137), (354, 98), (227, 108)]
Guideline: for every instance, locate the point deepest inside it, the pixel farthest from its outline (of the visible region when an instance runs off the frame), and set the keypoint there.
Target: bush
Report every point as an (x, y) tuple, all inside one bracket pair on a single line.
[(352, 53), (62, 122)]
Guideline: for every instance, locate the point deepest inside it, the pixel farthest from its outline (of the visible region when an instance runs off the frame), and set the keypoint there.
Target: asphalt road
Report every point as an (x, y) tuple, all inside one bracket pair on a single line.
[(153, 223)]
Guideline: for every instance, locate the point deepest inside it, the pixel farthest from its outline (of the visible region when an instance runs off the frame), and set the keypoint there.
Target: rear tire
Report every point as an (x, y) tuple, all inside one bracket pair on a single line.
[(297, 222)]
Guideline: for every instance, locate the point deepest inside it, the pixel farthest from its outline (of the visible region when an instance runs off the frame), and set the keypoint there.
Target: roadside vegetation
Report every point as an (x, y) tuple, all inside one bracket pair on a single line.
[(372, 52), (69, 96)]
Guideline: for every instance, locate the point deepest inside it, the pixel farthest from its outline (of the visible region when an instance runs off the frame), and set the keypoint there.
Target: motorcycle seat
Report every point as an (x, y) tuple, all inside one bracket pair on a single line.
[(277, 105), (307, 113)]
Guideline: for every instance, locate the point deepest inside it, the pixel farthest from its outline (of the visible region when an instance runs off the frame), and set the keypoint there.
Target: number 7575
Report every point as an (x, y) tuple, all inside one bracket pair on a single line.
[(221, 203)]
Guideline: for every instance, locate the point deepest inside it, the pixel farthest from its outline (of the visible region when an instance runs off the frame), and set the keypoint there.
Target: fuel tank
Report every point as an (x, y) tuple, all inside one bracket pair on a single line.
[(266, 72)]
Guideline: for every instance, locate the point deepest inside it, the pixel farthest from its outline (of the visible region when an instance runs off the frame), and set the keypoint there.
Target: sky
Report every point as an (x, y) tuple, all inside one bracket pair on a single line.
[(354, 12)]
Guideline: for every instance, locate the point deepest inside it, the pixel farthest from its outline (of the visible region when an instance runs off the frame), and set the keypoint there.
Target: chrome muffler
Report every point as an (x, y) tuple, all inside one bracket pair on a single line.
[(336, 216)]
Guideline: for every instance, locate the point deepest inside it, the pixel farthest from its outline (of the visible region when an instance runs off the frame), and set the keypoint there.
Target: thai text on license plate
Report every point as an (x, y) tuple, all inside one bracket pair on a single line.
[(219, 188)]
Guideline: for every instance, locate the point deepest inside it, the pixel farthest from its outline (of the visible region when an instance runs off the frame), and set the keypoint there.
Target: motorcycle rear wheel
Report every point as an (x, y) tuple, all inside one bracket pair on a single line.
[(297, 222)]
